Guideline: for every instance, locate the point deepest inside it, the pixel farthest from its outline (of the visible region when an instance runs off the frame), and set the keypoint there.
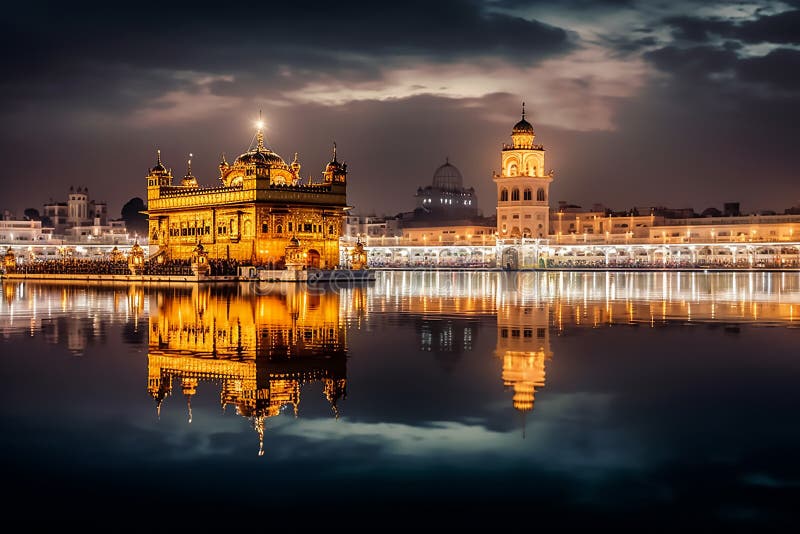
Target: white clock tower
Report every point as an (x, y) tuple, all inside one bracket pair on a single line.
[(523, 187)]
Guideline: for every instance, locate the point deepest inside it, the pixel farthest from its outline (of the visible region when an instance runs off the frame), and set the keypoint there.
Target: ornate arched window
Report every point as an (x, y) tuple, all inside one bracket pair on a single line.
[(540, 194), (515, 194), (512, 169), (527, 194), (279, 229), (503, 195)]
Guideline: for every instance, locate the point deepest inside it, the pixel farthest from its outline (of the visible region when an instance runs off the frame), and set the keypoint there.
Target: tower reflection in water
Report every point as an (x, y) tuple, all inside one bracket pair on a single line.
[(258, 349), (530, 307)]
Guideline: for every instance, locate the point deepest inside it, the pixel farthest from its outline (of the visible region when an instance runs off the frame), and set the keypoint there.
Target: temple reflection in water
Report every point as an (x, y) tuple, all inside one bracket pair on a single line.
[(259, 349), (258, 346)]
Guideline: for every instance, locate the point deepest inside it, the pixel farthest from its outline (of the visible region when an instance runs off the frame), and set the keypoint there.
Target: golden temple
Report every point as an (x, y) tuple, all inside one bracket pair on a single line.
[(260, 204)]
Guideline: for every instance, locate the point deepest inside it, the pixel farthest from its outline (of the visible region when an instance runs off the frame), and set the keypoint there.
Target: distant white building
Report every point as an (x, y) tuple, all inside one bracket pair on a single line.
[(23, 231), (78, 210), (83, 220), (356, 226)]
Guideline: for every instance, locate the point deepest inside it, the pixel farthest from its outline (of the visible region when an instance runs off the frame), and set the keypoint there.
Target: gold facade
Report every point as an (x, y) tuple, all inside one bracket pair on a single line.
[(259, 351), (260, 204)]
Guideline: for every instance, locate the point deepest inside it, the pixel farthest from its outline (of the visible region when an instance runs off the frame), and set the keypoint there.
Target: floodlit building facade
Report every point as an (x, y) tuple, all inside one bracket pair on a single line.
[(260, 204)]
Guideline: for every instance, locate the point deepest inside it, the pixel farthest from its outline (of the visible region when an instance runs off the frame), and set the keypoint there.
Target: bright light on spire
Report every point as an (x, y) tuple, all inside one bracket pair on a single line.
[(260, 125)]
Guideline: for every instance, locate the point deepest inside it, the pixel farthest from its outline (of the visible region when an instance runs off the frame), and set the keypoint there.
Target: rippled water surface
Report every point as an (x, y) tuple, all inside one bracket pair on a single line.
[(652, 400)]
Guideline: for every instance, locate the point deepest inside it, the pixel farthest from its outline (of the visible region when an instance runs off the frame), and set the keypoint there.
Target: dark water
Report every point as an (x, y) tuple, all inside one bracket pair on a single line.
[(645, 400)]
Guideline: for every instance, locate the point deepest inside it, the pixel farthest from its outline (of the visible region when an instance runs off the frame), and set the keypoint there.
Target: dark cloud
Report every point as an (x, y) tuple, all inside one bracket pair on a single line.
[(627, 45), (699, 136), (695, 62), (579, 4), (698, 29), (109, 52), (780, 69), (102, 88), (776, 70), (780, 28)]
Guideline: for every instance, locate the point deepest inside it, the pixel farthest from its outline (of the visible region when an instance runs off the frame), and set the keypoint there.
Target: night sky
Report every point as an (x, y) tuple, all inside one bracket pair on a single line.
[(674, 103)]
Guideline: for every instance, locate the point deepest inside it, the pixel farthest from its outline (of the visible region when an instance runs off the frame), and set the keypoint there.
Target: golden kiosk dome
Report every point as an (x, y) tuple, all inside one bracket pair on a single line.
[(333, 165), (159, 167)]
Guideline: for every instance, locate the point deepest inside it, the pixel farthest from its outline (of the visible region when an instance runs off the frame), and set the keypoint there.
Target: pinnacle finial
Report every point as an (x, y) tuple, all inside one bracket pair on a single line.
[(334, 151), (158, 156), (223, 161), (189, 165), (260, 133), (523, 111)]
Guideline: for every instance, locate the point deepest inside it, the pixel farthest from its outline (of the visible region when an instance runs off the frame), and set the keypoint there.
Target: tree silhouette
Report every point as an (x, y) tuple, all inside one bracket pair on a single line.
[(32, 214), (135, 221)]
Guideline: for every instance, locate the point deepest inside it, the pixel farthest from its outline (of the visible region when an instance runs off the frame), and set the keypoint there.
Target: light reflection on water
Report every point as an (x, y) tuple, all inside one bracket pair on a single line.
[(575, 378)]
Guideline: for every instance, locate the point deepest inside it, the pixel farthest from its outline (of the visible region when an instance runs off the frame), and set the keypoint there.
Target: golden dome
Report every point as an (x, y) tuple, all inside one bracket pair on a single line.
[(262, 157)]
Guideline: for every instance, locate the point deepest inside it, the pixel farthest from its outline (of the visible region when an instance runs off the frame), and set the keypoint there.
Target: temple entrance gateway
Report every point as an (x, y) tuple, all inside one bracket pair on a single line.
[(510, 259), (313, 259)]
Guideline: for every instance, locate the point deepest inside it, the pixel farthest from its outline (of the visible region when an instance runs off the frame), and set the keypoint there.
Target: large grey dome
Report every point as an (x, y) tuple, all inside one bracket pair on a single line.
[(447, 177)]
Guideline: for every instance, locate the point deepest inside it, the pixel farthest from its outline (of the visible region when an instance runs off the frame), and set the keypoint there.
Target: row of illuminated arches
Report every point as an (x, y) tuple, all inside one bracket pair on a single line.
[(513, 170), (526, 232), (527, 194), (299, 227)]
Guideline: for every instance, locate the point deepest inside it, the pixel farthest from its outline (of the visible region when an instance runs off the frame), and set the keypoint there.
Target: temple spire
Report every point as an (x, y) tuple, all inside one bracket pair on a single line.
[(523, 111), (334, 151), (189, 165), (260, 133), (158, 156)]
